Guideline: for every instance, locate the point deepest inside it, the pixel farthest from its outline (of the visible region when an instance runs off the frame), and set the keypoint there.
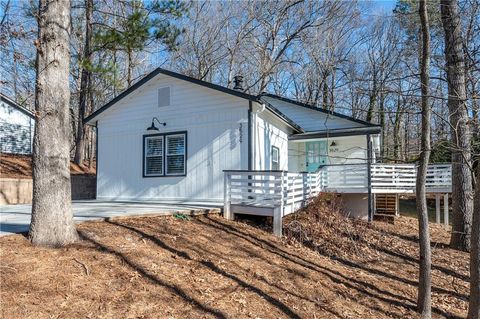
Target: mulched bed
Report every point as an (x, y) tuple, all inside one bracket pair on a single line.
[(206, 267), (20, 166)]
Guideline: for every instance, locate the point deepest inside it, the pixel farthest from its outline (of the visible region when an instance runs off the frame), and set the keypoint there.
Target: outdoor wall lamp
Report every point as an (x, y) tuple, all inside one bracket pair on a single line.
[(153, 127)]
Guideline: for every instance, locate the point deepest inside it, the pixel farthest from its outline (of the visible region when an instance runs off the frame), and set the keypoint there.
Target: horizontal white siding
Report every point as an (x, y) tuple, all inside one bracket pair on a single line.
[(11, 115), (311, 120), (16, 130), (217, 139), (269, 131)]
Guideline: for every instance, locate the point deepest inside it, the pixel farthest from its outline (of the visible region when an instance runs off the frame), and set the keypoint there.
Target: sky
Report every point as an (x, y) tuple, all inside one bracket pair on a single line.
[(379, 6), (385, 4)]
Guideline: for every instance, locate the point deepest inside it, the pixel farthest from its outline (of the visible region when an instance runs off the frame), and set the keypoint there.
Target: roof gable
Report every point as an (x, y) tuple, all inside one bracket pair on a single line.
[(157, 71), (15, 105)]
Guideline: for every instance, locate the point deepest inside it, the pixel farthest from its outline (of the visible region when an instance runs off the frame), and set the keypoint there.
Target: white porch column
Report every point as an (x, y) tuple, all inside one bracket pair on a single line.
[(437, 208), (445, 210)]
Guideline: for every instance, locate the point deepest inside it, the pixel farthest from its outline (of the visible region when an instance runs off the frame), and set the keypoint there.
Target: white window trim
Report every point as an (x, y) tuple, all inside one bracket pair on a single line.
[(146, 156), (274, 148), (184, 154)]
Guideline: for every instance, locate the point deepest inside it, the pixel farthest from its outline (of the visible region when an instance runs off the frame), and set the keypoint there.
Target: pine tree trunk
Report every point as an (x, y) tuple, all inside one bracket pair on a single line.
[(474, 305), (424, 300), (462, 191), (372, 100), (381, 114), (84, 86), (129, 69), (397, 139), (325, 90), (52, 219)]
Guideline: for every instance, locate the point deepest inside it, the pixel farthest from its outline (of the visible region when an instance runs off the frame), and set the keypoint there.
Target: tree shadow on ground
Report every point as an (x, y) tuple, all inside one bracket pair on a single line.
[(211, 266), (151, 277), (328, 272), (413, 260), (201, 251)]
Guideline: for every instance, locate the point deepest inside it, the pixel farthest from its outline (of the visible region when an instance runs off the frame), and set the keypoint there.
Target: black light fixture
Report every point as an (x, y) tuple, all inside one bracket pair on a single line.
[(333, 144), (153, 127)]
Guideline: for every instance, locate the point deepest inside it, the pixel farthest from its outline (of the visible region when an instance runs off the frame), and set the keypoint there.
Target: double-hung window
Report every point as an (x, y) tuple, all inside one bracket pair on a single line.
[(175, 162), (275, 158), (164, 154)]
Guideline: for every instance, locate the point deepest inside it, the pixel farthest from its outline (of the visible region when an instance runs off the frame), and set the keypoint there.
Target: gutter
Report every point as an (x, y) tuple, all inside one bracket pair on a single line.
[(335, 133), (250, 135)]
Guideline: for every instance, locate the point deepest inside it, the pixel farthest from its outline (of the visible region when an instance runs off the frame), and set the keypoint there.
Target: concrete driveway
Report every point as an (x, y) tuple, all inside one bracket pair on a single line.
[(16, 218)]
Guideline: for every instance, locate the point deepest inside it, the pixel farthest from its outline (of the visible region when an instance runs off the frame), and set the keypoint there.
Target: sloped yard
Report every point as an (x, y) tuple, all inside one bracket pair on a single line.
[(20, 166), (165, 267)]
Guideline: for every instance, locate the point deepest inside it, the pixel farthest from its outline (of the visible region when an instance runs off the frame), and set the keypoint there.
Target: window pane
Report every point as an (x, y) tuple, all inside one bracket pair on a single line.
[(275, 158), (154, 146), (175, 164), (176, 145), (275, 154), (154, 165)]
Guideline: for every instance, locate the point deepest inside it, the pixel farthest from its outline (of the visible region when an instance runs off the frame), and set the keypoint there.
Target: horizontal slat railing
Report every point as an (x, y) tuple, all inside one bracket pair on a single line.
[(282, 189), (384, 177), (402, 177), (270, 188), (349, 176)]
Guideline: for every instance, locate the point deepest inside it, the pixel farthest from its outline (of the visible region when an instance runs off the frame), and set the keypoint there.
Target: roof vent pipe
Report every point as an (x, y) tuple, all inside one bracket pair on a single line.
[(238, 81)]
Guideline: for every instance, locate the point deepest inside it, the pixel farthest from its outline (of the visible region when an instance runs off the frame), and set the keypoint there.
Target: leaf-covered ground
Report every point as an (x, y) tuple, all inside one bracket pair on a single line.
[(20, 166), (206, 266)]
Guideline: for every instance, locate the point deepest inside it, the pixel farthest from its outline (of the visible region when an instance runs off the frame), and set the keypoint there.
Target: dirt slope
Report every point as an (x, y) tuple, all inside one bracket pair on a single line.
[(209, 267), (20, 166)]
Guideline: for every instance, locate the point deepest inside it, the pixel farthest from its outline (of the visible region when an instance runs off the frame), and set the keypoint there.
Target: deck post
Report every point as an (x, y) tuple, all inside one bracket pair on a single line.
[(277, 221), (437, 208), (278, 210), (227, 213), (445, 210), (369, 178), (305, 188)]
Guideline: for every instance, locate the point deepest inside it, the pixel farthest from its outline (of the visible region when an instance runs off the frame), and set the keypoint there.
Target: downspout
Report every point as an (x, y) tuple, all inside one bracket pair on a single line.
[(255, 129), (252, 133), (250, 136), (369, 178)]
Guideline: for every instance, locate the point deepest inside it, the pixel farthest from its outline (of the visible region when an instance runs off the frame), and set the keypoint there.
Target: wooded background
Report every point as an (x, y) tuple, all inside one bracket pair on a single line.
[(354, 57)]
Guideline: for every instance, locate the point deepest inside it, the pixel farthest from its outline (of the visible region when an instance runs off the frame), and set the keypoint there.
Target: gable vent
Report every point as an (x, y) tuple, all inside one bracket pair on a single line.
[(164, 96)]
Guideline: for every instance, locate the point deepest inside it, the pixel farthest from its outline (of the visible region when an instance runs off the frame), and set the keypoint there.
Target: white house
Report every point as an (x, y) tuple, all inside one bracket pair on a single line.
[(173, 138), (16, 127)]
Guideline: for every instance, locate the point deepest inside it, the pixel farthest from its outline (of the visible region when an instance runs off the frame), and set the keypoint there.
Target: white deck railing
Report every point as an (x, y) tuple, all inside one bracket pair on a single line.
[(401, 178), (292, 190), (270, 188)]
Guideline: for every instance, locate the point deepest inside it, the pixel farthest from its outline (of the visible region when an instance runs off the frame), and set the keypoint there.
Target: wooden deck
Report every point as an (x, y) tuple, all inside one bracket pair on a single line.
[(279, 193)]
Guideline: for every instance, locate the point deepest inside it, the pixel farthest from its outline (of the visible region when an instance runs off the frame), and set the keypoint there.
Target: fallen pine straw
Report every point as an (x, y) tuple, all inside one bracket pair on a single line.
[(208, 267), (390, 250), (324, 227)]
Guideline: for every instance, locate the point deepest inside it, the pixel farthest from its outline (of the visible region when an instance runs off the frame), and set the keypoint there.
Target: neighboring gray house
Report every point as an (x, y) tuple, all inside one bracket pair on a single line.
[(16, 127)]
